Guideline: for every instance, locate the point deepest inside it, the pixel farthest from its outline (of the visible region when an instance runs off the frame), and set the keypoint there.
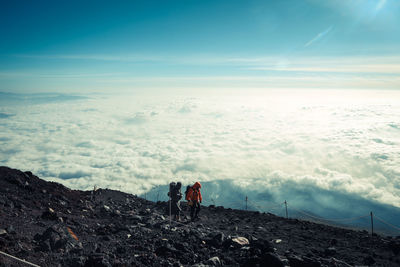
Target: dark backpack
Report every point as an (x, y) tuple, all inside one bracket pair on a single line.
[(172, 185), (174, 192)]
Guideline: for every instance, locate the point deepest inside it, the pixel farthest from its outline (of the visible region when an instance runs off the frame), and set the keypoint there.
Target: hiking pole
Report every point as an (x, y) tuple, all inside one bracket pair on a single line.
[(372, 224), (286, 210), (170, 210), (18, 259)]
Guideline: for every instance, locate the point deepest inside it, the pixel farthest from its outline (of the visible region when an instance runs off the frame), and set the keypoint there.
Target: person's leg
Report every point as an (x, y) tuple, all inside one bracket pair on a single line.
[(197, 209), (192, 209), (176, 210), (179, 211), (173, 209)]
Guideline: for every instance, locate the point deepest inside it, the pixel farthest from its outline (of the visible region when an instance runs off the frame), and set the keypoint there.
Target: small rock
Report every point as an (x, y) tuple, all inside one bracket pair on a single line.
[(310, 262), (214, 261), (337, 262), (272, 259), (76, 261), (3, 232), (240, 241), (330, 251), (106, 238), (11, 230), (262, 245), (369, 260), (117, 213), (394, 246), (49, 214), (217, 239), (98, 260), (137, 217), (148, 230), (10, 204), (166, 250), (296, 261)]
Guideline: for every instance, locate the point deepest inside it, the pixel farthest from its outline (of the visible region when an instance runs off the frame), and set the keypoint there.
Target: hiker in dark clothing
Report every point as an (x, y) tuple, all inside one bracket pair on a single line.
[(175, 196), (194, 198)]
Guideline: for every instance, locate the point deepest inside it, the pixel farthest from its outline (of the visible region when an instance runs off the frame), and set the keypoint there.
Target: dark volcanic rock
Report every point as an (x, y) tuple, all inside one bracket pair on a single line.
[(272, 259), (49, 214), (57, 238), (51, 225), (296, 261), (98, 260), (394, 246), (330, 251)]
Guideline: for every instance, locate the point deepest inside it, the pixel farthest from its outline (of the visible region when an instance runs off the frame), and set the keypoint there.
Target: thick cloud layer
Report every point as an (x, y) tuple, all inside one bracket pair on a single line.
[(335, 141)]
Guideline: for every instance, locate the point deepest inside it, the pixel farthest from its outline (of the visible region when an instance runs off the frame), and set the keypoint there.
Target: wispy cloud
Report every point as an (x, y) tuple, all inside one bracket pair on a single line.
[(378, 64), (233, 71), (350, 65), (380, 4), (319, 36), (97, 57), (7, 74), (355, 68)]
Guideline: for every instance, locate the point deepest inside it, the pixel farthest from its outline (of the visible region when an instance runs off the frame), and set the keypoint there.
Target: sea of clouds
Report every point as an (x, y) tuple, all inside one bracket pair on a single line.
[(263, 143)]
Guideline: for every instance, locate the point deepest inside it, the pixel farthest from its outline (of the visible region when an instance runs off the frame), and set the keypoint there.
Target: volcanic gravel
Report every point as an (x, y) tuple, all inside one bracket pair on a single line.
[(48, 224)]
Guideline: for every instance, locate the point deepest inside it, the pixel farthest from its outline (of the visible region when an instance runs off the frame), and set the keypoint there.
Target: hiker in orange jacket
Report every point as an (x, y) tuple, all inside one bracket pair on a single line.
[(194, 198)]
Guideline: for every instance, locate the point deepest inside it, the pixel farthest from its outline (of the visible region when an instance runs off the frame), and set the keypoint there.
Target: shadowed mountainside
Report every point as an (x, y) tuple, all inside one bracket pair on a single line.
[(302, 200), (51, 225)]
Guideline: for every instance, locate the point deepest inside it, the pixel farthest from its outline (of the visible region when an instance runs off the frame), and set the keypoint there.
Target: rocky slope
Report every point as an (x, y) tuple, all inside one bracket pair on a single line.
[(50, 225)]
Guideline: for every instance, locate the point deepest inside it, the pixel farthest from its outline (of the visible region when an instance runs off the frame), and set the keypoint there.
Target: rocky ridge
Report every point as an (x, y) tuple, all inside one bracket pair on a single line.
[(48, 224)]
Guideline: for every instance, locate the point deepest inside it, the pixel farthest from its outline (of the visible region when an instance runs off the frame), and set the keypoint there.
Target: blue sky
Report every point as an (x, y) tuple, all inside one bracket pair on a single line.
[(104, 46)]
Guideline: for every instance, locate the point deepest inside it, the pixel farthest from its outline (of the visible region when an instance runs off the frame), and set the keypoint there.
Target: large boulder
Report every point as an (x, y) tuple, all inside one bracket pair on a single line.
[(216, 239), (262, 245), (58, 238)]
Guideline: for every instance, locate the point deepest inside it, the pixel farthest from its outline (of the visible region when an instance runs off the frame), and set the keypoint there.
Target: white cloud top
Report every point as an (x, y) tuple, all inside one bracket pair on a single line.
[(344, 141)]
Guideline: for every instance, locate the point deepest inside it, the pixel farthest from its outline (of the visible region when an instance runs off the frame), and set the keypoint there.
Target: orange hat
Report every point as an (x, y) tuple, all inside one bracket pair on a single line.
[(197, 185)]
